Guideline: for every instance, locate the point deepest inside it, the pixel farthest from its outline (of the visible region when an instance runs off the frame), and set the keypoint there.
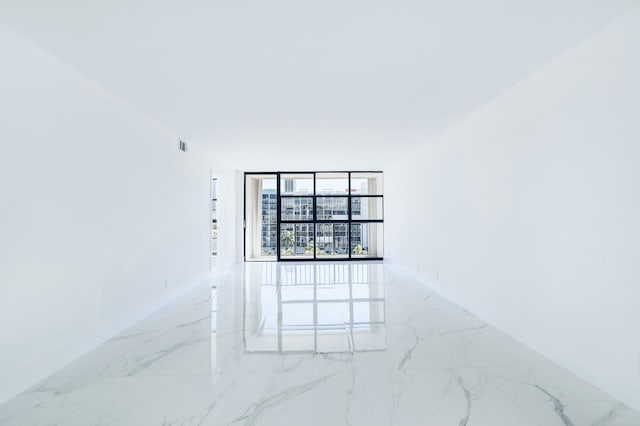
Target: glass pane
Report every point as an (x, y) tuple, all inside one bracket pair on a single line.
[(296, 240), (296, 184), (332, 208), (366, 183), (366, 208), (296, 208), (261, 215), (332, 183), (332, 240), (366, 240)]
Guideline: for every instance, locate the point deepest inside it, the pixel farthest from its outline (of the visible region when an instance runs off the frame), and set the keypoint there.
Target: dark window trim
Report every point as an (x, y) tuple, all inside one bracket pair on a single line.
[(279, 221)]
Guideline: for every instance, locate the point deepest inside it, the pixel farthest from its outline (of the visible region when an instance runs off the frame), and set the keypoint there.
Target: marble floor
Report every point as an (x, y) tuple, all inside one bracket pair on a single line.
[(314, 344)]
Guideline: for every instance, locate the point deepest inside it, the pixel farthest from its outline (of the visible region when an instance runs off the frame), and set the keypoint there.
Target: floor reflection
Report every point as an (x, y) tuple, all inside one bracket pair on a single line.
[(314, 308), (245, 353)]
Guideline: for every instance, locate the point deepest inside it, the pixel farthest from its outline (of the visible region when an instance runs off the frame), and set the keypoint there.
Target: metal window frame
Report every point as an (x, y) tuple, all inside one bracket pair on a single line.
[(314, 196)]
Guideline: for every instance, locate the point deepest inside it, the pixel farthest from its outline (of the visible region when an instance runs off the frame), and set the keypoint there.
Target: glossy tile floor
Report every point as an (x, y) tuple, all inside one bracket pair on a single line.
[(303, 344)]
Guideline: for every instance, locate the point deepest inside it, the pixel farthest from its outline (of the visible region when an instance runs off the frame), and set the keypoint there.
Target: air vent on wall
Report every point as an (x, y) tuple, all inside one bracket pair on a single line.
[(183, 146)]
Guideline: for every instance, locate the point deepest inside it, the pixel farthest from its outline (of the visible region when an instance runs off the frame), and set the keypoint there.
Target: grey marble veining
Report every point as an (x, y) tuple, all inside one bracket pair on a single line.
[(304, 344)]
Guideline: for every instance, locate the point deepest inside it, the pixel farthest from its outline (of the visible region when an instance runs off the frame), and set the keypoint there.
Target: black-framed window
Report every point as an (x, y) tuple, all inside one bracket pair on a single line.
[(319, 215)]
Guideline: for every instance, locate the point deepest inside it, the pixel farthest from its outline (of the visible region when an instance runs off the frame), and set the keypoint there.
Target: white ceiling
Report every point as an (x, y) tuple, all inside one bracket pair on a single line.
[(297, 84)]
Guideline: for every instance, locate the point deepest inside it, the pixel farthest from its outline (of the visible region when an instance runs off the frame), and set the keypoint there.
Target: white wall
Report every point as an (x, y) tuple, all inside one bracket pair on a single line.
[(528, 212), (102, 218)]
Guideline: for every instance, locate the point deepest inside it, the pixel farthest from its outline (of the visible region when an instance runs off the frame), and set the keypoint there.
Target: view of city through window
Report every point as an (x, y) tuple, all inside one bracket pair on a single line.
[(315, 215)]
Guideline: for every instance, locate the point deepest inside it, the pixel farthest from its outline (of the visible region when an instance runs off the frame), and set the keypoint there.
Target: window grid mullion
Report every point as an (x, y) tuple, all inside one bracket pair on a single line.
[(330, 208)]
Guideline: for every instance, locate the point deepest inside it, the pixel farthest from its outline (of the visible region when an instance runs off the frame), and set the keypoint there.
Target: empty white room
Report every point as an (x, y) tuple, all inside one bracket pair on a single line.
[(320, 213)]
